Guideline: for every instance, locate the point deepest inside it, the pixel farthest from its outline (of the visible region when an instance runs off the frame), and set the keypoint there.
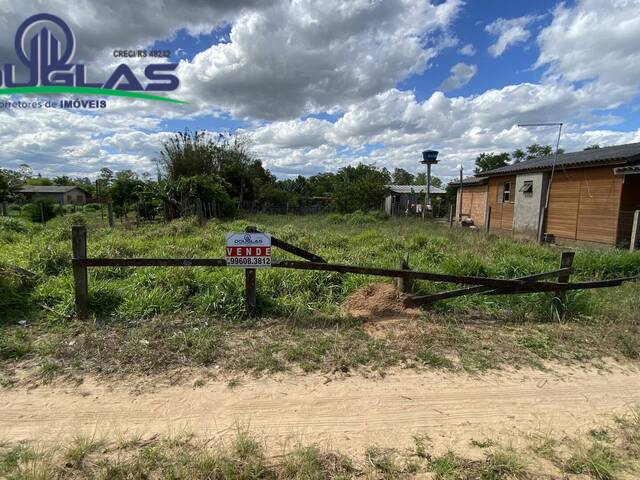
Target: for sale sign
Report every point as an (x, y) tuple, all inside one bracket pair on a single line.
[(248, 250)]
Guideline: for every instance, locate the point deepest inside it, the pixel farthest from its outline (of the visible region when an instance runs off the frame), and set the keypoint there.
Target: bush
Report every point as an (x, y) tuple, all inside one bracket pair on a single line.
[(9, 224), (92, 207), (41, 209)]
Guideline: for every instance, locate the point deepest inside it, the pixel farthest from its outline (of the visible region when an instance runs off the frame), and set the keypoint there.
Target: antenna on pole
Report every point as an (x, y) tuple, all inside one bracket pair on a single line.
[(543, 216)]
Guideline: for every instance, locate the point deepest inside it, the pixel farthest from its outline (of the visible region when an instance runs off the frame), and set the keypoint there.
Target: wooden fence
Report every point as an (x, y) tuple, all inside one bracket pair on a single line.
[(488, 286)]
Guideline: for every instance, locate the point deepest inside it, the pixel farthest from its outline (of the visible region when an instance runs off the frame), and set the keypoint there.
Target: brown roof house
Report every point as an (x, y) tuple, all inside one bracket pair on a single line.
[(592, 197), (60, 194)]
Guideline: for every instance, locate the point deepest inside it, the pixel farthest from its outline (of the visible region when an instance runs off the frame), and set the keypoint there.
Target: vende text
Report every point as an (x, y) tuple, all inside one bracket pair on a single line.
[(248, 251)]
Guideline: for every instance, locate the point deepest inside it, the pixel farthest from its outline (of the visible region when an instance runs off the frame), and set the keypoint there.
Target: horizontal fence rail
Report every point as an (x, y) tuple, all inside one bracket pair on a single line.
[(482, 285)]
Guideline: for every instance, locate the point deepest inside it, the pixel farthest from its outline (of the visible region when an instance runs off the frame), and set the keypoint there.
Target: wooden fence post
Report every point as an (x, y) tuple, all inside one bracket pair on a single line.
[(80, 277), (110, 214), (250, 291), (635, 232), (5, 208), (405, 285), (200, 212), (451, 215), (566, 261)]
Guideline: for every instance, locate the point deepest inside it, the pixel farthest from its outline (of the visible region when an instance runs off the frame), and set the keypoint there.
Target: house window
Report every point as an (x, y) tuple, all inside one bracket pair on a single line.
[(527, 188), (505, 190)]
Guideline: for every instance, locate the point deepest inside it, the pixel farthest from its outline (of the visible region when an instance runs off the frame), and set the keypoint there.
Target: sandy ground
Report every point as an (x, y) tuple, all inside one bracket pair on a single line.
[(348, 414)]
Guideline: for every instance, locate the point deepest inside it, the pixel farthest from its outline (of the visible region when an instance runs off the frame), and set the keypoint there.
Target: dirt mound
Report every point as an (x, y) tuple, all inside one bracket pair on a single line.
[(377, 300)]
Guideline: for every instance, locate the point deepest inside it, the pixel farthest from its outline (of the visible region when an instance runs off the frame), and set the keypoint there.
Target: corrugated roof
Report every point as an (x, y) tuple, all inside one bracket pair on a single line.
[(47, 188), (470, 181), (627, 170), (622, 153), (414, 189)]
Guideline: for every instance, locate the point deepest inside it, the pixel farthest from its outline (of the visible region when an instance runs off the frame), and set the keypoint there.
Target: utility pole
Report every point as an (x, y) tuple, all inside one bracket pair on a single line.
[(428, 158)]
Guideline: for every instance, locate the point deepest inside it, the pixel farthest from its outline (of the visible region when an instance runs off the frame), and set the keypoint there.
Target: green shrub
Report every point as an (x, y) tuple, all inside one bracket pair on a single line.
[(9, 224), (40, 209), (92, 207)]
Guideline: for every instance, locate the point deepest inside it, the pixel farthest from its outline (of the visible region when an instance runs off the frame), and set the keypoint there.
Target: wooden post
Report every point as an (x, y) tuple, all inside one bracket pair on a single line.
[(250, 293), (5, 208), (542, 225), (200, 212), (110, 213), (635, 232), (405, 285), (451, 210), (566, 260), (487, 223), (80, 277)]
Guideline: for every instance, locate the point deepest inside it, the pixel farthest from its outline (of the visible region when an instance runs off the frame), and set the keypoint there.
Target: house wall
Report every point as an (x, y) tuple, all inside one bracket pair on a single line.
[(584, 205), (75, 196), (474, 204), (54, 197), (501, 212), (528, 206), (629, 203)]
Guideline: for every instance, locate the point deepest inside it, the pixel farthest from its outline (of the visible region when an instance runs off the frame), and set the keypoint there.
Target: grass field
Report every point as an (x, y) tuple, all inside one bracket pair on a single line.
[(152, 318)]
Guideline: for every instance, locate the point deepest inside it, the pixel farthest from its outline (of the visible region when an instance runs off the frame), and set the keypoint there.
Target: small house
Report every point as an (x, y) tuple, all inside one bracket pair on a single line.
[(60, 194), (592, 197), (408, 199)]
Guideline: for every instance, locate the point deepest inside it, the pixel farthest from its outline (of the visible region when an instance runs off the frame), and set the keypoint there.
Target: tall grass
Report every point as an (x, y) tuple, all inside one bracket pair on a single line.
[(361, 239)]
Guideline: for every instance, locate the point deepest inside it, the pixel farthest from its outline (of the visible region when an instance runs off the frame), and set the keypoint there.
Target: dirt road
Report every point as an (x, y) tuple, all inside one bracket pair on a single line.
[(348, 414)]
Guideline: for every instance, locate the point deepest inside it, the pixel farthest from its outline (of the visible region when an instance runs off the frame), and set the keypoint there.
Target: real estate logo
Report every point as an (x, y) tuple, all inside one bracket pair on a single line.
[(45, 44)]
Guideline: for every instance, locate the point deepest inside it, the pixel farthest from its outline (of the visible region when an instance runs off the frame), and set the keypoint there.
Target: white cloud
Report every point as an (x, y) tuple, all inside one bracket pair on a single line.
[(468, 50), (287, 59), (596, 42), (461, 74), (301, 57), (508, 32)]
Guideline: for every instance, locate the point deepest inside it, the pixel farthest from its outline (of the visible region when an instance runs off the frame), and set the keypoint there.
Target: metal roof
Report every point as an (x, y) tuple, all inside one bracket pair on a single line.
[(414, 189), (469, 181), (48, 188), (627, 170), (619, 153)]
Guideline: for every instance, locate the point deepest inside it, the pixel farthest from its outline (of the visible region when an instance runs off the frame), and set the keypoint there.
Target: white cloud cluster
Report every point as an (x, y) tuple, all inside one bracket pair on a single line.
[(461, 74), (509, 32), (468, 50), (296, 58), (595, 41), (287, 59)]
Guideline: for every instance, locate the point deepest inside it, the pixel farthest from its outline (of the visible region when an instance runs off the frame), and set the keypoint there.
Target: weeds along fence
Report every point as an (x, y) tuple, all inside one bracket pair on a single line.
[(310, 261)]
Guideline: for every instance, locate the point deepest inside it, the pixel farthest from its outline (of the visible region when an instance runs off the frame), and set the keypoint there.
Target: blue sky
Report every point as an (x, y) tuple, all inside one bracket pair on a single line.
[(319, 85)]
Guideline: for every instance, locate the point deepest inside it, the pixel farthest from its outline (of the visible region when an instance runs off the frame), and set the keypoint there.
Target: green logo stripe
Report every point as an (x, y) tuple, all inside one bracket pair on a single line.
[(86, 91)]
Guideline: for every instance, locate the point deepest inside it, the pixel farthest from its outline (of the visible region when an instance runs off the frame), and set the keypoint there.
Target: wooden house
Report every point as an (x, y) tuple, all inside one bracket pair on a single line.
[(60, 194), (408, 199), (593, 195)]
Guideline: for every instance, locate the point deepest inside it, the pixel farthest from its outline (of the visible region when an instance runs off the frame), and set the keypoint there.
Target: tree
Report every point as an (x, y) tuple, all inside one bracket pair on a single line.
[(489, 161), (9, 182), (124, 190), (518, 155), (421, 179), (359, 188), (25, 172), (535, 150), (593, 147), (188, 154), (402, 177)]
